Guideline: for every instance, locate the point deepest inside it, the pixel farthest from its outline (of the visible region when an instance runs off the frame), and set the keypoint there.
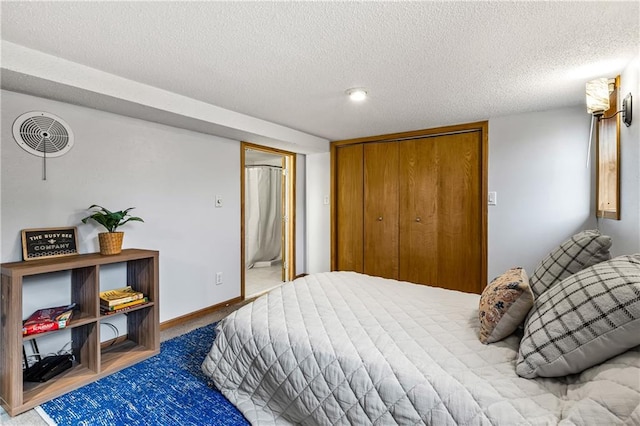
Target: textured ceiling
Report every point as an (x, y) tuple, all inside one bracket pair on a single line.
[(425, 64)]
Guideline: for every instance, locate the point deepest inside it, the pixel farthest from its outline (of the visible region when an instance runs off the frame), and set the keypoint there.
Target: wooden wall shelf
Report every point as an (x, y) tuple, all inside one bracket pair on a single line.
[(91, 362)]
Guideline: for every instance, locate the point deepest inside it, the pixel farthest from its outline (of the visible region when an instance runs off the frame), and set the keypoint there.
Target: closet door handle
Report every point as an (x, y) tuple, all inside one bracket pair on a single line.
[(418, 219), (380, 219)]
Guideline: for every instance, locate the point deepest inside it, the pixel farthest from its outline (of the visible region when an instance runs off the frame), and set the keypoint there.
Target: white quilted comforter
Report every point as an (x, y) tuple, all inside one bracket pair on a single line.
[(346, 348)]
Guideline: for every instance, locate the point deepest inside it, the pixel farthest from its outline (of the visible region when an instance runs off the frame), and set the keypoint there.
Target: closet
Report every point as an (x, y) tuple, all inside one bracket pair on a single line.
[(412, 206)]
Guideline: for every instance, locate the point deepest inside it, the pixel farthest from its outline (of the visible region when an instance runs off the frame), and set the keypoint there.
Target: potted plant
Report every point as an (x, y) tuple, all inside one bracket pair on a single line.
[(110, 241)]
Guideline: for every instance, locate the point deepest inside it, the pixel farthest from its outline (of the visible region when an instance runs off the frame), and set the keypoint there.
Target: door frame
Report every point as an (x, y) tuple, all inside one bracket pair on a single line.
[(480, 126), (289, 166)]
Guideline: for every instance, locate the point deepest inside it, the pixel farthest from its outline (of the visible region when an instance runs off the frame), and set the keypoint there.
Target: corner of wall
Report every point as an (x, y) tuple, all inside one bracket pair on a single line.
[(318, 167), (1, 201), (625, 232)]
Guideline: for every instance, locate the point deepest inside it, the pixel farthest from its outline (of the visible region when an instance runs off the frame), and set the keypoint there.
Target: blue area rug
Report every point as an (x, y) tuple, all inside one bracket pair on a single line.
[(168, 389)]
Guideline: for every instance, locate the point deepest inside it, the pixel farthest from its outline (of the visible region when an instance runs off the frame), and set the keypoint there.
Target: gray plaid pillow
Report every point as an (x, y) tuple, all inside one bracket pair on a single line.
[(584, 249), (584, 320)]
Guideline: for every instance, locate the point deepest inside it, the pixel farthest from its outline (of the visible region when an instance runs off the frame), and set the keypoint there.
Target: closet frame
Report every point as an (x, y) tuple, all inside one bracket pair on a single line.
[(482, 127)]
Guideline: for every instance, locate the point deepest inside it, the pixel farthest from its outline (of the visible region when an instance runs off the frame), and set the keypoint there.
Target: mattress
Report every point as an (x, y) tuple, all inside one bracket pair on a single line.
[(347, 348)]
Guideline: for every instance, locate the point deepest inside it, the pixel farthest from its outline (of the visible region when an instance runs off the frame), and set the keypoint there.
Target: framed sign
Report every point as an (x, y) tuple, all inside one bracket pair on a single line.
[(42, 243)]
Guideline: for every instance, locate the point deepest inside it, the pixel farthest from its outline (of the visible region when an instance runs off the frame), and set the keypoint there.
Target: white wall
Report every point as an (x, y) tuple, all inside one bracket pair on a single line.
[(318, 213), (170, 175), (626, 231), (1, 239), (301, 217), (537, 165)]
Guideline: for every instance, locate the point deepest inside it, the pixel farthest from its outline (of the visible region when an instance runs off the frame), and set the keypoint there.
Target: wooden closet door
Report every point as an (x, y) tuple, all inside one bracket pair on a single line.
[(381, 209), (460, 212), (349, 183), (441, 213), (418, 225)]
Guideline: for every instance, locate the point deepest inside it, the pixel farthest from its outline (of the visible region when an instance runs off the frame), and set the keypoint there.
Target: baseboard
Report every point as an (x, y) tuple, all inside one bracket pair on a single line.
[(197, 314)]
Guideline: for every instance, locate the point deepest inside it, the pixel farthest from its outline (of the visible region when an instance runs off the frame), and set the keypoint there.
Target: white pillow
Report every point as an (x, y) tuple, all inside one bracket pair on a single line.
[(584, 249), (584, 320), (504, 304)]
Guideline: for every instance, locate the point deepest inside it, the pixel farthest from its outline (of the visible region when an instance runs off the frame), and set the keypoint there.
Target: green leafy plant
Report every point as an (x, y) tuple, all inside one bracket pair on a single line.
[(111, 220)]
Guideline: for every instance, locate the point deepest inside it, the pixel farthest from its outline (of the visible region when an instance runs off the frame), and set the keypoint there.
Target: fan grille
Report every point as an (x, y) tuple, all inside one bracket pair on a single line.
[(41, 134)]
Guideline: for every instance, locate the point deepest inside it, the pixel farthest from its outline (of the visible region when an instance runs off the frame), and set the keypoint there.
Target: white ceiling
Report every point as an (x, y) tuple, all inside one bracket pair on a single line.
[(425, 64)]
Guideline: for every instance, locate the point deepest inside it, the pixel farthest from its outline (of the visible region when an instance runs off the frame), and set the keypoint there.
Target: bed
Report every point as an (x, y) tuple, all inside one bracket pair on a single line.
[(347, 348)]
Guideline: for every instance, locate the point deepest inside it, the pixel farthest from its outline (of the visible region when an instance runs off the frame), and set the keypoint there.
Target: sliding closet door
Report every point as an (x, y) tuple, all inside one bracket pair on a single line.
[(412, 206), (441, 213), (460, 212), (349, 182), (381, 209), (418, 173)]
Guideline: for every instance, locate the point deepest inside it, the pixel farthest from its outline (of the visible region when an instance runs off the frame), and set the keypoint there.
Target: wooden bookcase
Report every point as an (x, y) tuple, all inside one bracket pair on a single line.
[(91, 361)]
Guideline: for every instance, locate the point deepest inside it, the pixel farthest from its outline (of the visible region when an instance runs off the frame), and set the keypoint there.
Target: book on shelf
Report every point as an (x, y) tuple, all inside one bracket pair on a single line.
[(48, 319), (125, 305), (118, 296), (106, 311)]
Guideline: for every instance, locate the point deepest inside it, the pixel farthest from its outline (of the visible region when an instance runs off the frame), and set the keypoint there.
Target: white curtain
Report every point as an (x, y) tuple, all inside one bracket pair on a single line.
[(263, 214)]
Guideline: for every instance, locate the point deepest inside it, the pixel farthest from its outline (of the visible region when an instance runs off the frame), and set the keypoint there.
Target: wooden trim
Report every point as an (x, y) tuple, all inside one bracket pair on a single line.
[(198, 314), (243, 146), (333, 209), (484, 129), (268, 149), (603, 214), (289, 158), (292, 219), (613, 110), (479, 125), (618, 120), (597, 167), (285, 226)]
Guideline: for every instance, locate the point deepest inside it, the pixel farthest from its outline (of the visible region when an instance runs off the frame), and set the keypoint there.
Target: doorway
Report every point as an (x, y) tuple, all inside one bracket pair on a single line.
[(267, 218)]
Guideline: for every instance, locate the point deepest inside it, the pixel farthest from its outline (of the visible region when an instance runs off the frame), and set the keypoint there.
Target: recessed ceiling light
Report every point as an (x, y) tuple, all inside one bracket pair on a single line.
[(357, 94)]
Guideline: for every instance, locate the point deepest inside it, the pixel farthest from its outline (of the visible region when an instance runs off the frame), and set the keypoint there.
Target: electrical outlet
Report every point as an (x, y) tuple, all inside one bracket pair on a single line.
[(218, 278)]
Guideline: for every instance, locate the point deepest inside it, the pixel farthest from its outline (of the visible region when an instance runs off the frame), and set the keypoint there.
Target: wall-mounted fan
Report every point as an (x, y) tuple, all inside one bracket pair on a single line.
[(44, 135)]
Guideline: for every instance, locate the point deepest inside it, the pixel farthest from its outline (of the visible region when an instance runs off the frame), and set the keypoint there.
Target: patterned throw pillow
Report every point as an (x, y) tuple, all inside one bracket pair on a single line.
[(584, 320), (504, 304), (584, 249)]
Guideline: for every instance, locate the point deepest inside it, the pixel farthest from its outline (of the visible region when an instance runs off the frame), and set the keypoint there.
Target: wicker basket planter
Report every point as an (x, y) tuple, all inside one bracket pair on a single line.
[(110, 242)]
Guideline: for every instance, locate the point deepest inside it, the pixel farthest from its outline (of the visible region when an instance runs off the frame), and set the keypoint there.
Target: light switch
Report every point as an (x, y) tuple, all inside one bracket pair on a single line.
[(493, 198), (218, 201), (325, 200)]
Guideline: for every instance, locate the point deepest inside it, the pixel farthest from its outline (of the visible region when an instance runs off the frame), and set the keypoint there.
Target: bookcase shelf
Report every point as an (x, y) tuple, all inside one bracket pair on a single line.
[(128, 311), (91, 362), (78, 320)]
